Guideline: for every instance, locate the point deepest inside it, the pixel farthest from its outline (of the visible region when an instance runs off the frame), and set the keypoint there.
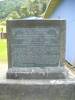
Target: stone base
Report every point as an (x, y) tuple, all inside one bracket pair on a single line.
[(37, 73), (37, 90)]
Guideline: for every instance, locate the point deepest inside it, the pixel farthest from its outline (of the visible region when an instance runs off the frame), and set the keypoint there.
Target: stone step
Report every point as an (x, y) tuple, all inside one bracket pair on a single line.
[(37, 73), (37, 89)]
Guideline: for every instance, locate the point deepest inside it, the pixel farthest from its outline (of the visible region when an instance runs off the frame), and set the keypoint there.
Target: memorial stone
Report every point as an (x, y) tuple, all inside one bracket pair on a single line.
[(36, 49)]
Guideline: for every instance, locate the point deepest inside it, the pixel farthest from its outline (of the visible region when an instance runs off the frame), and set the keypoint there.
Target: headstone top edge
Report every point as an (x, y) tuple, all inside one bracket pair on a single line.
[(36, 19)]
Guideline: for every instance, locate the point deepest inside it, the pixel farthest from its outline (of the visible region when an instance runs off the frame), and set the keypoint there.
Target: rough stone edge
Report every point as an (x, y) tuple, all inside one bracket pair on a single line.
[(37, 89), (38, 82), (37, 73)]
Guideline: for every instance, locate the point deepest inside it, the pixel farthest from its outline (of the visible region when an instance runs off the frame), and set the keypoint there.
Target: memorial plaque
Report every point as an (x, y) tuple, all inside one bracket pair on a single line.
[(35, 47), (36, 43)]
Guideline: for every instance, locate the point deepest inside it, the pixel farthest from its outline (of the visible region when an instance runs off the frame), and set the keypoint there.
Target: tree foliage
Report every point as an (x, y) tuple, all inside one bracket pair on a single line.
[(17, 9)]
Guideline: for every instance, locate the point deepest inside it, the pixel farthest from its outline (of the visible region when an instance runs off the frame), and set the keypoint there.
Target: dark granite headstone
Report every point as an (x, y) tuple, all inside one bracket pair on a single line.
[(36, 49)]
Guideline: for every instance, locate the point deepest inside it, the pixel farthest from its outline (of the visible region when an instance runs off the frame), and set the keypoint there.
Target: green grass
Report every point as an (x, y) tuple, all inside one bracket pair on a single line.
[(3, 50)]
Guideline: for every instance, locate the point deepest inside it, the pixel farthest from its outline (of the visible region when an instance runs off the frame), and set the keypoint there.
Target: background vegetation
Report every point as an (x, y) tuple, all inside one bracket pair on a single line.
[(19, 9)]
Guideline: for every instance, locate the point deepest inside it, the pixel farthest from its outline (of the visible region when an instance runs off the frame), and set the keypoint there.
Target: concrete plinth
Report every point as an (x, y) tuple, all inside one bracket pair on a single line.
[(37, 73), (37, 90)]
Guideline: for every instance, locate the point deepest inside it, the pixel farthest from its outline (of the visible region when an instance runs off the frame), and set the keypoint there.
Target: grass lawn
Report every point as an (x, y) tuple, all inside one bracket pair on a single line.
[(3, 51)]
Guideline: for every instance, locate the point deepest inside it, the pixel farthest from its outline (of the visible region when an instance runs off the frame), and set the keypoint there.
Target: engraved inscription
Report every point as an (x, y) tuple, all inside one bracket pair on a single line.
[(35, 47)]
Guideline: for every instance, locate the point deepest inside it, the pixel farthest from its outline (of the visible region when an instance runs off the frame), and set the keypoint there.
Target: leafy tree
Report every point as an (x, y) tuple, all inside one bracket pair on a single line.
[(17, 9)]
